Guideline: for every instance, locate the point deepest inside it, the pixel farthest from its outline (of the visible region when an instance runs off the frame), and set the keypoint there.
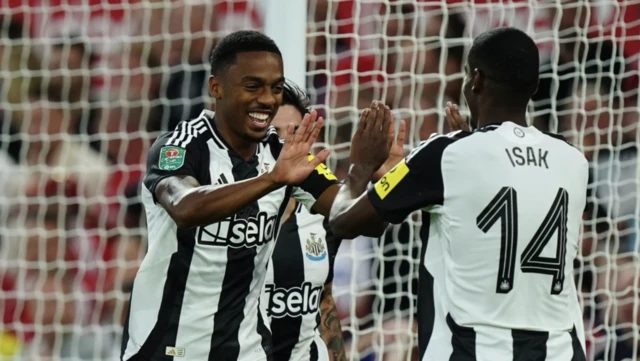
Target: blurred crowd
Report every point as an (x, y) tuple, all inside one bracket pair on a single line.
[(87, 85)]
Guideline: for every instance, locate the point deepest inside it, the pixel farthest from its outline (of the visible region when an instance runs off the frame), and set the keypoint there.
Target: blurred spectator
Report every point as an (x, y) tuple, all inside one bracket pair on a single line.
[(89, 21), (191, 27), (16, 86), (56, 158), (34, 285)]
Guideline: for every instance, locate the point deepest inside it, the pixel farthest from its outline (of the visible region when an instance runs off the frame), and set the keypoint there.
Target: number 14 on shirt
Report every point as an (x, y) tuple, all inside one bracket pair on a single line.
[(504, 207)]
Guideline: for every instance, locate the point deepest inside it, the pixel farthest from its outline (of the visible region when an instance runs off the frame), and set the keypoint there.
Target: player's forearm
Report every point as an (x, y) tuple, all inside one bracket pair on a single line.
[(204, 205), (346, 222), (330, 328)]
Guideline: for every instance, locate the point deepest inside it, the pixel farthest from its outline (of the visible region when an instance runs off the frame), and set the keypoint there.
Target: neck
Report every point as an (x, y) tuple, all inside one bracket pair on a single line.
[(245, 148), (494, 112)]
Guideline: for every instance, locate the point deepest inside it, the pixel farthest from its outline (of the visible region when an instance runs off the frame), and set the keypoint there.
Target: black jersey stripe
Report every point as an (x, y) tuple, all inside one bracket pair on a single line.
[(529, 345), (426, 299), (287, 274), (125, 331), (463, 341), (236, 285), (263, 331), (265, 334), (578, 352), (313, 352)]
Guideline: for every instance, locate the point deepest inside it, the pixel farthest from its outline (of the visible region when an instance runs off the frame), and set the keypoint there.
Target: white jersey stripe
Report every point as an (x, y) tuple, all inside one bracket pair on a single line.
[(557, 349), (493, 344)]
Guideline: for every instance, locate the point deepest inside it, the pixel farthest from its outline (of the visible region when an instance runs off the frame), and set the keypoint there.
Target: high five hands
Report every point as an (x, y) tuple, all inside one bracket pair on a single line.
[(374, 146), (455, 120)]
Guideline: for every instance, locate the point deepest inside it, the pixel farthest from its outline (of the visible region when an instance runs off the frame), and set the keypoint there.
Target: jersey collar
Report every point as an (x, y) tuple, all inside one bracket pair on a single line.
[(488, 127), (216, 133)]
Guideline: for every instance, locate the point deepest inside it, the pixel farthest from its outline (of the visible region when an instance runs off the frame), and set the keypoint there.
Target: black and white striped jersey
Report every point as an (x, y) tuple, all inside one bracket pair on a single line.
[(502, 209), (197, 293), (301, 264)]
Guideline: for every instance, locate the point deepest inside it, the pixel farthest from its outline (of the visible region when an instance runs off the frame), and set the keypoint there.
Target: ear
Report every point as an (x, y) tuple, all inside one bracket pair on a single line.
[(478, 81), (215, 87)]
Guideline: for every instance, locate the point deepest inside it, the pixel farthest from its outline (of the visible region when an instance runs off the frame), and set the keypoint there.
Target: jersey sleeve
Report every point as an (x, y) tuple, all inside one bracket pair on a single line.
[(172, 154), (416, 182), (333, 244), (316, 183)]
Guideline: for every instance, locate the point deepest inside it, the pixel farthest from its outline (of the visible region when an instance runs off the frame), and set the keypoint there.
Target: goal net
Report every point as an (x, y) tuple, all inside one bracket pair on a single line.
[(87, 85)]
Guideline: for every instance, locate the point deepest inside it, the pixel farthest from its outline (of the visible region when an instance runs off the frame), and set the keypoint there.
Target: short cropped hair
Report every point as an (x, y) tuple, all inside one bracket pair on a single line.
[(294, 95), (507, 56), (224, 54)]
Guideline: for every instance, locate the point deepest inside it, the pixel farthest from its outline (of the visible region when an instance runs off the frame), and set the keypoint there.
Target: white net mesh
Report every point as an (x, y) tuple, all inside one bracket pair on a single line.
[(87, 85)]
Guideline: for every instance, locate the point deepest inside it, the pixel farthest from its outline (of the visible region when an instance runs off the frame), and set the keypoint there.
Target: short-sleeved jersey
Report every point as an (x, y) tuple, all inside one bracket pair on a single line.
[(502, 208), (301, 265), (196, 295)]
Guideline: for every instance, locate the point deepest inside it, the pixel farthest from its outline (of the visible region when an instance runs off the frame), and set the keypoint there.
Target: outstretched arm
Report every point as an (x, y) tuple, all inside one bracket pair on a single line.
[(374, 151), (415, 183), (412, 184), (175, 187), (352, 213), (370, 151), (330, 328), (192, 205)]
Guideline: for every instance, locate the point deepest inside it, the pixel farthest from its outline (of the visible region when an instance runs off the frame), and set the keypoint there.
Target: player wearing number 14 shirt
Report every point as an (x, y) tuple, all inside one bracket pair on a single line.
[(501, 209)]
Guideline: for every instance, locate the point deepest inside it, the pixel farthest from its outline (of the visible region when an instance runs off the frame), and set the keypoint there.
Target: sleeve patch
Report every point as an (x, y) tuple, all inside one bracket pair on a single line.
[(386, 184), (171, 158), (323, 170)]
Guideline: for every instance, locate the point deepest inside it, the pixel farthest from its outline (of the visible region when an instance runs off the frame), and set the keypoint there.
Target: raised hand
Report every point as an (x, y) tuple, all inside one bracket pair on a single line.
[(294, 163), (455, 120), (396, 149), (370, 145)]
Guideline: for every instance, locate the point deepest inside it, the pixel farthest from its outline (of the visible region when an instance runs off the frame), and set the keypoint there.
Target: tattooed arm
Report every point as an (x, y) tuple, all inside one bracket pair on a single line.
[(330, 328)]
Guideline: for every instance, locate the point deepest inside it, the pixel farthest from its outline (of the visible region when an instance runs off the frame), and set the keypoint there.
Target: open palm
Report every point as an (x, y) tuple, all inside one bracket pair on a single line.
[(455, 119), (396, 150), (294, 163)]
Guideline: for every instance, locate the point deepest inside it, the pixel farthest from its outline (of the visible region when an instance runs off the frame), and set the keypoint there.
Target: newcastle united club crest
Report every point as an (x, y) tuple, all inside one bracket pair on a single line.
[(315, 249)]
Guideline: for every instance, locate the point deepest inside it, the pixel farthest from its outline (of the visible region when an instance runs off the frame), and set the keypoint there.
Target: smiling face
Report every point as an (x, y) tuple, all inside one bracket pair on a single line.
[(248, 94)]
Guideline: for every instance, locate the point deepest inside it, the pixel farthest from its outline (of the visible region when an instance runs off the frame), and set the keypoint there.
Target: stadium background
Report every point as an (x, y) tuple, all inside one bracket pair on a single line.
[(87, 85)]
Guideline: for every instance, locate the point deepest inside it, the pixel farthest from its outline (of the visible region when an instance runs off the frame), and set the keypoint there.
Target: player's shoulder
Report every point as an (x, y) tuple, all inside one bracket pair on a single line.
[(436, 144), (448, 138), (187, 131), (560, 139), (564, 145)]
